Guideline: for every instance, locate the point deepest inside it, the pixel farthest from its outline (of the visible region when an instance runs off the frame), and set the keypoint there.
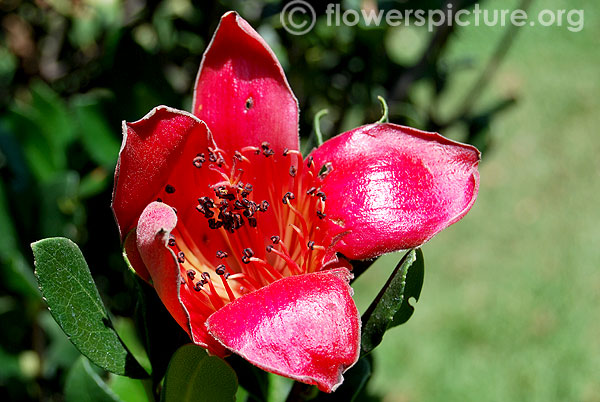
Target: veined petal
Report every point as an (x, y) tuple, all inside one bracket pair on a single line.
[(305, 327), (155, 224), (151, 148), (241, 91), (393, 187)]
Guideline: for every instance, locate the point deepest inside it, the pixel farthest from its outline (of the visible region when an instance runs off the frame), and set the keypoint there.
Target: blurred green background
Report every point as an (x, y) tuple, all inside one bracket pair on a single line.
[(511, 303)]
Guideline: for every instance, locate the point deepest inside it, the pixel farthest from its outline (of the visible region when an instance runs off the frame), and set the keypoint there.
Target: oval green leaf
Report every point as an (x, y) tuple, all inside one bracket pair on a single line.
[(382, 311), (193, 376), (68, 288)]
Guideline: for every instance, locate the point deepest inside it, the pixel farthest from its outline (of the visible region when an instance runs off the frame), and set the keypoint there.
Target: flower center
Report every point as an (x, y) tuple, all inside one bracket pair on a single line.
[(256, 220)]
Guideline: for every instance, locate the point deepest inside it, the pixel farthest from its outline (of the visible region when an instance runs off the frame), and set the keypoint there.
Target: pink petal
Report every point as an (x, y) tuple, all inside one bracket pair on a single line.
[(153, 229), (241, 90), (394, 187), (304, 327), (151, 147)]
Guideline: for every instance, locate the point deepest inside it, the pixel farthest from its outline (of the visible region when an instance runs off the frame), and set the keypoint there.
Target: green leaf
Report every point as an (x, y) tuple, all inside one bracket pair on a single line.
[(97, 136), (380, 314), (68, 288), (129, 389), (193, 376), (128, 332), (412, 289), (16, 274), (51, 115), (60, 210), (83, 384)]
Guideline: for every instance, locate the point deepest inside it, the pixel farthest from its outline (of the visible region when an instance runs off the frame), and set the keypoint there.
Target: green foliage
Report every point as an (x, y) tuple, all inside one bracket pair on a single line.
[(390, 301), (83, 384), (73, 300), (193, 376), (412, 289)]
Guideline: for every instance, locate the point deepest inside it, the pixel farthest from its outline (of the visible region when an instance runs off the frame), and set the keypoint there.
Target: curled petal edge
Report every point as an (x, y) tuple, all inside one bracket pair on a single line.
[(153, 230)]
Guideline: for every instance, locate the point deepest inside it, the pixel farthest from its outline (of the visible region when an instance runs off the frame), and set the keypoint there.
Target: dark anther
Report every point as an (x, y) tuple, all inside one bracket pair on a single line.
[(213, 224), (209, 214), (220, 270), (238, 205), (321, 195), (247, 252), (286, 152), (205, 276), (269, 248), (221, 254), (252, 222), (320, 214), (199, 160), (247, 190), (181, 257), (249, 103), (171, 240), (238, 155), (325, 170), (201, 208), (264, 205), (288, 196), (159, 200), (311, 190), (245, 260), (223, 193), (191, 274), (309, 161), (198, 286), (267, 151), (275, 239), (293, 171), (311, 245), (169, 189), (211, 156)]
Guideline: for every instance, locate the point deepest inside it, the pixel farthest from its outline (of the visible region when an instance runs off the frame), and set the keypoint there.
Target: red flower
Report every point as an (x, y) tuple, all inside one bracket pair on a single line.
[(242, 238)]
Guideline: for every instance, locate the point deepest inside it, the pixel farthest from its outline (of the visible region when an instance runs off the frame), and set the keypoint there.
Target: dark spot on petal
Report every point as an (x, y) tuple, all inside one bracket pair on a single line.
[(249, 103)]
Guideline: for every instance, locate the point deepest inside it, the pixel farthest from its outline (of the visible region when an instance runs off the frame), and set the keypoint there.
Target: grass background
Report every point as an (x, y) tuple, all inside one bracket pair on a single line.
[(510, 309)]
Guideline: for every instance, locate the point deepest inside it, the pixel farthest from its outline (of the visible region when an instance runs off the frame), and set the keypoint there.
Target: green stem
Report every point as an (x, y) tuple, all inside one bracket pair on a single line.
[(317, 126), (384, 110)]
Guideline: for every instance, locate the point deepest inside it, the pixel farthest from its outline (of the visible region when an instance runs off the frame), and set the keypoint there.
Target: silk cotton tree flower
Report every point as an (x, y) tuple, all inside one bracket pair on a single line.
[(248, 243)]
